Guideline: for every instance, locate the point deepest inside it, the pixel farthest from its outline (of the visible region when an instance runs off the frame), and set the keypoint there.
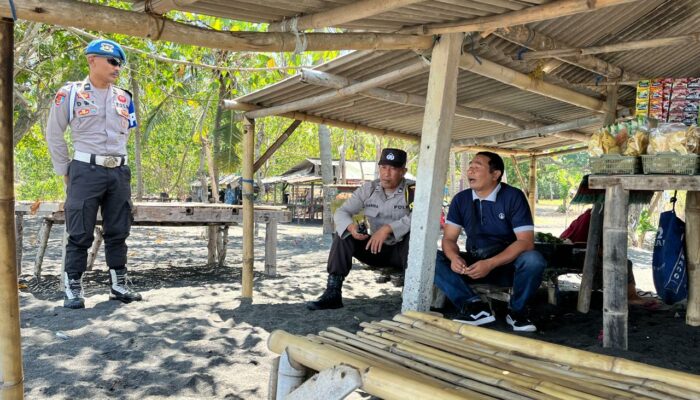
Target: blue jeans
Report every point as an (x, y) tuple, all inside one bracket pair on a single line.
[(524, 275)]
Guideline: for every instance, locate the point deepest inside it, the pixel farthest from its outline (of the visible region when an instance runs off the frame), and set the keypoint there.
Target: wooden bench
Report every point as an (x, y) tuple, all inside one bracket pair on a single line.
[(218, 217)]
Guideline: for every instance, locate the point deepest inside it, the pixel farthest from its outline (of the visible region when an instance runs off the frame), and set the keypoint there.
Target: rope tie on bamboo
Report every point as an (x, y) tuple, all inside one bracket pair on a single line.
[(300, 40), (12, 10), (160, 24)]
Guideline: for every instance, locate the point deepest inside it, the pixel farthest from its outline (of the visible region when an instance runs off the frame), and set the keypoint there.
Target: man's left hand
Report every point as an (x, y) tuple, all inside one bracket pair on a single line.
[(479, 269), (374, 245)]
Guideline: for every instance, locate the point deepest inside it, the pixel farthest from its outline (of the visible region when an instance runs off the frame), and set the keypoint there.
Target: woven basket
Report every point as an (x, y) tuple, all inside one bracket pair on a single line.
[(613, 164), (670, 163)]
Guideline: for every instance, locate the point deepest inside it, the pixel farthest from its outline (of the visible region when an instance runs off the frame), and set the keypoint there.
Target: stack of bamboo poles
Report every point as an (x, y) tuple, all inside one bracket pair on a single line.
[(418, 355)]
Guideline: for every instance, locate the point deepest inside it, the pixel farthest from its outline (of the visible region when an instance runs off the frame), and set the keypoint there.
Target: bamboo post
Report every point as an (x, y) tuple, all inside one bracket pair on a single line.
[(248, 210), (112, 20), (432, 168), (615, 267), (592, 260), (11, 375), (324, 140), (92, 253), (692, 238), (532, 185), (44, 233), (19, 231), (271, 247)]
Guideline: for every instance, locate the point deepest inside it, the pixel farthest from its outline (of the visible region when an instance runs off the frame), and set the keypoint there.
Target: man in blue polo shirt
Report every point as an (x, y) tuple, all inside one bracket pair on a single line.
[(500, 246)]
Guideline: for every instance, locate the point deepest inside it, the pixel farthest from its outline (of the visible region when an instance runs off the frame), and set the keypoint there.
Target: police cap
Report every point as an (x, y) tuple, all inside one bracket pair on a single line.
[(105, 47), (393, 157)]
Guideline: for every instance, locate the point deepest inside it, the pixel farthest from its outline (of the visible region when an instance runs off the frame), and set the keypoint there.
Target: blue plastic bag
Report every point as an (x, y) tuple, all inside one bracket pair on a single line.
[(668, 261)]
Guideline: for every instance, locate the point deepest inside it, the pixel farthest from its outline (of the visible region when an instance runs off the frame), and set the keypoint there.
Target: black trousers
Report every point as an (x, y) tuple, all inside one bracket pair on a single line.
[(90, 187), (343, 250)]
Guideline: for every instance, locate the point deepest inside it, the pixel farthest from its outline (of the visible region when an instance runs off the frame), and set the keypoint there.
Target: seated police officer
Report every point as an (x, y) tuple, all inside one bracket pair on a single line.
[(500, 244), (386, 205), (100, 116)]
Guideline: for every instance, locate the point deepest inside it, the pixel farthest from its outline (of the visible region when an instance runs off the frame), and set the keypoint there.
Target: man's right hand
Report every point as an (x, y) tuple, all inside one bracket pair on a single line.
[(65, 180), (352, 228), (459, 265)]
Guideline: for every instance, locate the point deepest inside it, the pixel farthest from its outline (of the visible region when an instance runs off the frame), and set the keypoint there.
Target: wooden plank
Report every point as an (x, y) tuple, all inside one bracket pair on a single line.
[(592, 260), (335, 383), (273, 148), (692, 240), (432, 168), (212, 244), (222, 245), (615, 268), (271, 248), (646, 182)]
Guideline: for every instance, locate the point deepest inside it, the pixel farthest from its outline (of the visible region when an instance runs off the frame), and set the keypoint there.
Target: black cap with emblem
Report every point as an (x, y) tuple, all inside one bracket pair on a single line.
[(393, 157)]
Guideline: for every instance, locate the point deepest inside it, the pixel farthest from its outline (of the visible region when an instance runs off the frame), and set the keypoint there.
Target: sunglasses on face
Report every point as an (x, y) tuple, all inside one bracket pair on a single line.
[(114, 61)]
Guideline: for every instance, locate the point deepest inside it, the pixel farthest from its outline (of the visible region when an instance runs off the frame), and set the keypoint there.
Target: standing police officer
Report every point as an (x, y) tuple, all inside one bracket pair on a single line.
[(386, 204), (100, 116)]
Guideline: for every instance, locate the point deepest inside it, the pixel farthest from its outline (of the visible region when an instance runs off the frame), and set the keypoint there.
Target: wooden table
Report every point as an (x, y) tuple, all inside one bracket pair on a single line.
[(218, 217), (617, 189)]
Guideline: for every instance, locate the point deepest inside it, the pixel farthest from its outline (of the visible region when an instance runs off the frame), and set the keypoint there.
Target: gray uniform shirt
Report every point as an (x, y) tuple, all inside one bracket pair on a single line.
[(380, 210), (100, 123)]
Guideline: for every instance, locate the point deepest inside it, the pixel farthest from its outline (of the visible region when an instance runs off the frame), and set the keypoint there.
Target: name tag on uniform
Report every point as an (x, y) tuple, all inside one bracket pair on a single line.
[(87, 111)]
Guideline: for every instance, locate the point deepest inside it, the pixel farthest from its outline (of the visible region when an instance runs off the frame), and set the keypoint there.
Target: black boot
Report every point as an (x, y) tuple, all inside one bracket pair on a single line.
[(73, 292), (332, 297), (119, 289)]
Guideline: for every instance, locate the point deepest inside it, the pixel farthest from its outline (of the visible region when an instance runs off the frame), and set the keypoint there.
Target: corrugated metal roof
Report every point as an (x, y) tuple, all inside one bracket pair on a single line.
[(646, 19)]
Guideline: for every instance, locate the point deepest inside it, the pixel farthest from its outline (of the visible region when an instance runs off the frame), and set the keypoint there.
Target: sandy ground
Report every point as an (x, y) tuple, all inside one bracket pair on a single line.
[(193, 337)]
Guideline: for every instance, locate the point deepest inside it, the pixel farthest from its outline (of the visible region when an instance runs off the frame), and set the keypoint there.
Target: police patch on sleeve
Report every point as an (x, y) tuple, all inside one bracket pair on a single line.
[(132, 115), (60, 98)]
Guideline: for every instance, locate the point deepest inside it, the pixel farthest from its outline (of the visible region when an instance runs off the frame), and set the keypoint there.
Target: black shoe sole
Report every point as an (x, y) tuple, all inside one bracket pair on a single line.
[(123, 299), (74, 307)]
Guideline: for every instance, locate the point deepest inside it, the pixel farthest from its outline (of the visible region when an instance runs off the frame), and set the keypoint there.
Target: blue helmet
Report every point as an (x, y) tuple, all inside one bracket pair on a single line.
[(105, 47)]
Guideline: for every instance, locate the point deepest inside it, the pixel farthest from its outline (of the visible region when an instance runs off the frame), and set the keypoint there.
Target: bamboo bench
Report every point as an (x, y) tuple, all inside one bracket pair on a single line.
[(423, 356)]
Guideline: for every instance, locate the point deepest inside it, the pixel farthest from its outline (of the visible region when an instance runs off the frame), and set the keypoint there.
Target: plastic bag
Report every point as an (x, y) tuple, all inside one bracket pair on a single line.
[(668, 261)]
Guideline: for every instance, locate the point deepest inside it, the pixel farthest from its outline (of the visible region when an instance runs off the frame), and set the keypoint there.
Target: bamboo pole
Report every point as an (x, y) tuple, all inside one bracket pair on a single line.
[(112, 20), (517, 79), (532, 375), (339, 15), (559, 353), (534, 40), (689, 40), (248, 223), (466, 347), (376, 380), (499, 150), (555, 9), (541, 131), (321, 78), (276, 145), (532, 186), (325, 98), (161, 6), (692, 237), (235, 105), (385, 353), (592, 260), (11, 375)]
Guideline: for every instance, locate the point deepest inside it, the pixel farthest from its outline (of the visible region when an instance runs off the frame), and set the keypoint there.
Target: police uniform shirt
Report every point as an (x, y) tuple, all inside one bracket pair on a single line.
[(498, 217), (100, 123), (380, 209)]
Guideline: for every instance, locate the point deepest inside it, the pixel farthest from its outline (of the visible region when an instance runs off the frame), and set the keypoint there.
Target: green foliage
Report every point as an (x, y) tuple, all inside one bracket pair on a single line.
[(645, 224)]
